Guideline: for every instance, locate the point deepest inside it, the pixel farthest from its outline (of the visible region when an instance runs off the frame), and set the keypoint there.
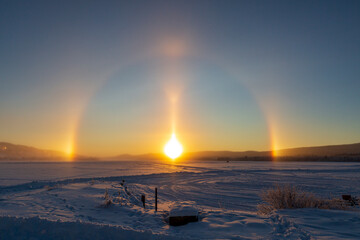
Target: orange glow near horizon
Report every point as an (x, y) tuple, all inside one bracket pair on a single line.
[(273, 140), (70, 148)]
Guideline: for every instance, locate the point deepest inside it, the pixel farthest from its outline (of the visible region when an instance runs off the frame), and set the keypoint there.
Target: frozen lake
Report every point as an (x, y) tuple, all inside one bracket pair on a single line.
[(226, 193), (13, 173)]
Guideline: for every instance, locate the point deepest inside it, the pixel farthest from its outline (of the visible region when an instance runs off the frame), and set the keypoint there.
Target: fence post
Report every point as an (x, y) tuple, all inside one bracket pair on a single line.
[(143, 200)]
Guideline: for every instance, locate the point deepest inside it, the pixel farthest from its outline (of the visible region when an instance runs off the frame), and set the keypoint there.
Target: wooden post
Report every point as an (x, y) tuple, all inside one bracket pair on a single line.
[(155, 199), (143, 200)]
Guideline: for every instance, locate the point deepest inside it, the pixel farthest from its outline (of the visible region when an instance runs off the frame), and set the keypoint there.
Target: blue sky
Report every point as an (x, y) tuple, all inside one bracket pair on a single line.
[(98, 76)]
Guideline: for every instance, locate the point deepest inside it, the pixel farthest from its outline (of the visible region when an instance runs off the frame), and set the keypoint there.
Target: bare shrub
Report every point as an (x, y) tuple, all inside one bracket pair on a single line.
[(106, 194), (118, 199), (107, 200), (286, 196)]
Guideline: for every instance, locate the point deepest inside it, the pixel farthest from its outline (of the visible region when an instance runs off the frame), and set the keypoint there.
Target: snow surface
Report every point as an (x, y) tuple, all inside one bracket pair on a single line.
[(66, 200)]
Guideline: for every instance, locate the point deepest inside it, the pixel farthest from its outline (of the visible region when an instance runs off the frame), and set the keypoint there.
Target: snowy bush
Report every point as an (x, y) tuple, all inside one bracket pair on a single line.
[(107, 202), (286, 196)]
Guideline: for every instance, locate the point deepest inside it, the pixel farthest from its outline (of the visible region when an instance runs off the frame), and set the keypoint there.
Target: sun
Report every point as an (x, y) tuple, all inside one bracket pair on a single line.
[(173, 147)]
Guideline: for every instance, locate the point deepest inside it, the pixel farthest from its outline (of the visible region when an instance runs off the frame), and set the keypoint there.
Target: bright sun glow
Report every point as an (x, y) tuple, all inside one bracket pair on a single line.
[(173, 148)]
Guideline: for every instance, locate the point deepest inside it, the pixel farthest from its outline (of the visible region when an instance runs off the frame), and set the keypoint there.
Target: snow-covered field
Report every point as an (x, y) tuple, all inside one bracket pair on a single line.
[(64, 200)]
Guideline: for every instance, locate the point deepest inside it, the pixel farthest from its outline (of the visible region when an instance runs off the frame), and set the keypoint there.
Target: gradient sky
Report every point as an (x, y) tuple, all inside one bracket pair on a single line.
[(111, 77)]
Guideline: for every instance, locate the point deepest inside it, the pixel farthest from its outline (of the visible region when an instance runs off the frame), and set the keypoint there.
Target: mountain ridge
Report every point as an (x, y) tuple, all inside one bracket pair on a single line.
[(344, 150), (10, 151)]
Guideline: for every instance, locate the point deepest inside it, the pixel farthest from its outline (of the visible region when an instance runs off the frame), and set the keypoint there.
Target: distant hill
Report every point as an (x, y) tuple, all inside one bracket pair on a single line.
[(193, 155), (9, 151), (330, 151), (346, 150)]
